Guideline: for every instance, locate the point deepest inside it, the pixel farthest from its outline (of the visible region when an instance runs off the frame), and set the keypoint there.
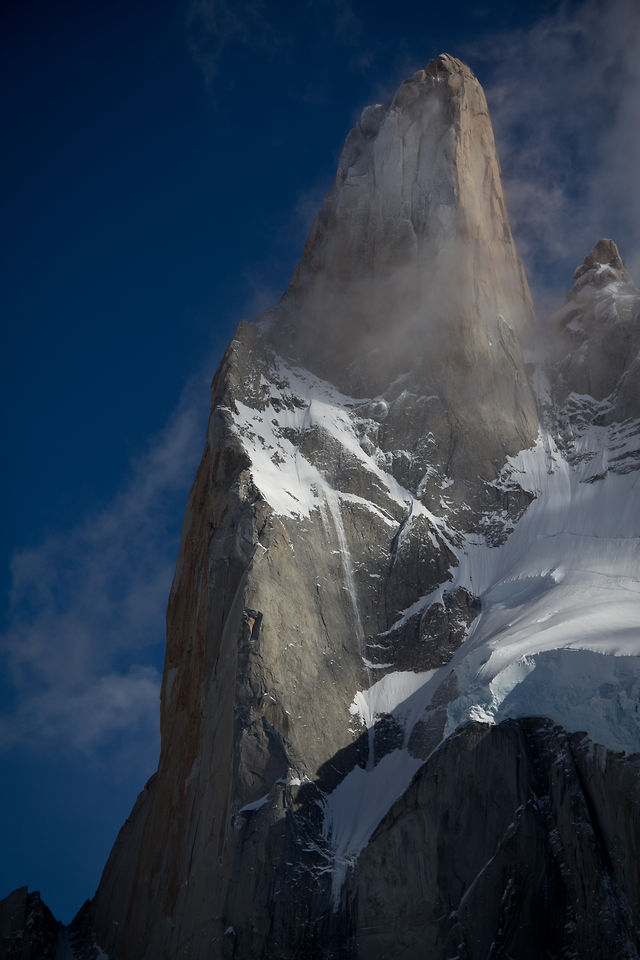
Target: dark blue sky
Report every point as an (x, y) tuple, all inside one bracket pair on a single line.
[(162, 163)]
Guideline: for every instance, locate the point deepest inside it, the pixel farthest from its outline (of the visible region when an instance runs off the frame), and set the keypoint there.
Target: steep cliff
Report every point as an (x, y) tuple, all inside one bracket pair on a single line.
[(355, 431), (396, 561), (509, 843)]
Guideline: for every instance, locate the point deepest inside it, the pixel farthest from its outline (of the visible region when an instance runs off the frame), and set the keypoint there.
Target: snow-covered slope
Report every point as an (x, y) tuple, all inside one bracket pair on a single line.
[(557, 588), (558, 632)]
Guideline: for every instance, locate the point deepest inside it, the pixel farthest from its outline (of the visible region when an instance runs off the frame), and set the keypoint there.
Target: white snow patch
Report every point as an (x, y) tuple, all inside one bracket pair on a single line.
[(393, 695), (358, 804), (370, 665), (286, 479), (255, 805)]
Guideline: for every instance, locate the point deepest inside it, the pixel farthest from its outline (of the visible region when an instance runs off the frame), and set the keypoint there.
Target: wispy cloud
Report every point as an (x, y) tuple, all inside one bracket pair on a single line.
[(215, 25), (564, 97), (347, 26), (86, 620)]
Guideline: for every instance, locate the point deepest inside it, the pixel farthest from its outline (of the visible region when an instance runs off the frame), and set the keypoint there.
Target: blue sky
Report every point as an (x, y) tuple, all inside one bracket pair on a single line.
[(162, 165)]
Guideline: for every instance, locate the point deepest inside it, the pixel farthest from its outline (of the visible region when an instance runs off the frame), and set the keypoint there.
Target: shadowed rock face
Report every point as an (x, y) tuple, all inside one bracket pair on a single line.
[(506, 844), (356, 454), (28, 931), (597, 334)]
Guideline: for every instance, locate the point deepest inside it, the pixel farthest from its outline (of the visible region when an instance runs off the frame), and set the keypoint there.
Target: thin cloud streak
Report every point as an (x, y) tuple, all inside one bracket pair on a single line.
[(87, 606), (214, 25)]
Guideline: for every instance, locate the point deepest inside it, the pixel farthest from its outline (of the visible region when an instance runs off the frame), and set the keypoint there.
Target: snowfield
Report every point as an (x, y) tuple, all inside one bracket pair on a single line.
[(558, 634)]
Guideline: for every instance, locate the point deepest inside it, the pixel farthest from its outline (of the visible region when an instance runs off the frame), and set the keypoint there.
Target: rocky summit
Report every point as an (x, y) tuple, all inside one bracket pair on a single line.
[(400, 705)]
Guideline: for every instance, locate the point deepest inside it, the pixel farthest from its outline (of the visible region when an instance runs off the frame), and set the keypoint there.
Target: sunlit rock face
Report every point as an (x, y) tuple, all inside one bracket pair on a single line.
[(387, 564), (413, 242), (410, 270)]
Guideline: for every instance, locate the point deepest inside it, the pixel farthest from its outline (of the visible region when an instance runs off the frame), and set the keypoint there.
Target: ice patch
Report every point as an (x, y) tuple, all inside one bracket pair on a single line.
[(513, 593), (393, 695), (256, 805), (578, 689)]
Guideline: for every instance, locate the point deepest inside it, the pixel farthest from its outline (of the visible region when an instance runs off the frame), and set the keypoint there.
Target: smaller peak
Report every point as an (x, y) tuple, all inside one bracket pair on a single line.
[(606, 252), (601, 266)]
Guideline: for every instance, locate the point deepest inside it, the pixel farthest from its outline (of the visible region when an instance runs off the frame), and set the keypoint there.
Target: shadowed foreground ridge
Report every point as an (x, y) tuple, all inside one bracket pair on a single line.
[(400, 700)]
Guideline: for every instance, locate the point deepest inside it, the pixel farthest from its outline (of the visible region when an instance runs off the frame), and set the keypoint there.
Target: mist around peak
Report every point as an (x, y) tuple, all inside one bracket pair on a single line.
[(410, 274)]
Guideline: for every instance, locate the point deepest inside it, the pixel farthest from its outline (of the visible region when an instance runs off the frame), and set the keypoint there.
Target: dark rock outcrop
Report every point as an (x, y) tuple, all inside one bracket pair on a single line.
[(28, 930), (508, 843)]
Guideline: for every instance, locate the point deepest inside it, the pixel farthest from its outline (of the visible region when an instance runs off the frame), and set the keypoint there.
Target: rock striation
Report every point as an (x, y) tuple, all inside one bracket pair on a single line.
[(400, 700)]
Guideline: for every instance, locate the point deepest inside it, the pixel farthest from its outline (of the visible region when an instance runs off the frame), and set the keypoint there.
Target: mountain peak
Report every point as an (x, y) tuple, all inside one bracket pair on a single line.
[(442, 66), (448, 73), (601, 266), (596, 333), (394, 270), (606, 251)]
